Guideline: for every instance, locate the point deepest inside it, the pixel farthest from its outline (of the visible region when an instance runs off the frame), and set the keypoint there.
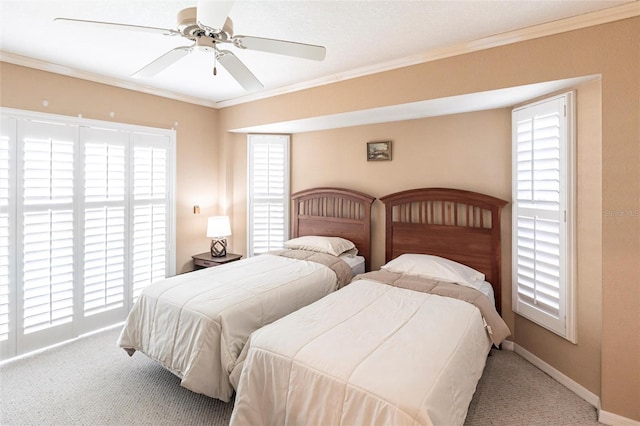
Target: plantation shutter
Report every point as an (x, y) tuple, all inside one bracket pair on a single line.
[(541, 191), (104, 223), (86, 209), (7, 250), (150, 210), (47, 185), (268, 192)]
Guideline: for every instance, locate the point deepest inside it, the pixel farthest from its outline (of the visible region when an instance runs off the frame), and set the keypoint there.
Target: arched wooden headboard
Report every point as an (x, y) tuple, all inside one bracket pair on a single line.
[(463, 226), (334, 212)]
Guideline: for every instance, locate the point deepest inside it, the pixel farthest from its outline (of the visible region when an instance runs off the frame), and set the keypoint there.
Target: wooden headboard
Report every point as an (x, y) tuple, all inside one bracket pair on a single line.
[(334, 212), (463, 226)]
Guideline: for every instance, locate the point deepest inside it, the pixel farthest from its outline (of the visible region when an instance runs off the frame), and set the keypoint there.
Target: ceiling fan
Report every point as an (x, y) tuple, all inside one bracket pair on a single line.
[(208, 26)]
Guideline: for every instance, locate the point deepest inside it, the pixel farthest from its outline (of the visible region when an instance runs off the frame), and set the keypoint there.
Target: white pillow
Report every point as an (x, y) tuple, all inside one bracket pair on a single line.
[(332, 245), (436, 268)]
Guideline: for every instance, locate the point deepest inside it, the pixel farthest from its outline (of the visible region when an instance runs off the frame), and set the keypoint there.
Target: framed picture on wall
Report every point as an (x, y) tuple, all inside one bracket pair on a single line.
[(379, 151)]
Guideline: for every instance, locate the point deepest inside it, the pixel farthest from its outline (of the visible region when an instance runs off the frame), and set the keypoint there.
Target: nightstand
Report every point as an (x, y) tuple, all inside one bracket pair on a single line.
[(205, 260)]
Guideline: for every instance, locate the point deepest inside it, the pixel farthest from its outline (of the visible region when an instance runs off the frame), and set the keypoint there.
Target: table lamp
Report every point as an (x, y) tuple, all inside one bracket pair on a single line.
[(218, 228)]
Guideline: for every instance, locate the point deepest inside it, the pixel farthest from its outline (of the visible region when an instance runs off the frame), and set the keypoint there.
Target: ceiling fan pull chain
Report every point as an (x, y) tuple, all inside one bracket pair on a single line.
[(215, 59)]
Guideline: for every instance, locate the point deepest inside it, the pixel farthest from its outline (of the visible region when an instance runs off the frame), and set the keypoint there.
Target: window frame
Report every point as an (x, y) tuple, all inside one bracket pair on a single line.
[(564, 324)]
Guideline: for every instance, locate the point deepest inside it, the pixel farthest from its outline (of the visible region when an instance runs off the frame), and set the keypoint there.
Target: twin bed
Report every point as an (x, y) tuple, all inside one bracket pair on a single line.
[(403, 345), (196, 324)]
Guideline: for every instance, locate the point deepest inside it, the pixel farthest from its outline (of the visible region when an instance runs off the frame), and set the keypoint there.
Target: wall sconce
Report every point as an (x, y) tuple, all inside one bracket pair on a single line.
[(218, 228), (196, 209)]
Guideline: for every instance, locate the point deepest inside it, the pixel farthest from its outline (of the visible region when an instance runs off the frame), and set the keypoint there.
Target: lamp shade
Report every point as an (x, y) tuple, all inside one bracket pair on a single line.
[(218, 226)]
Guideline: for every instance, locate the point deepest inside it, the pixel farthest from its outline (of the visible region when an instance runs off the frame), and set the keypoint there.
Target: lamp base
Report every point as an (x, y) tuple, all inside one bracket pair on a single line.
[(219, 248)]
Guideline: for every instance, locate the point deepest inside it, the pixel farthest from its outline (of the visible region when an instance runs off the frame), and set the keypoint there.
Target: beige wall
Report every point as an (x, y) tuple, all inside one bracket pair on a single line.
[(606, 360), (469, 151), (212, 170), (466, 151), (197, 180)]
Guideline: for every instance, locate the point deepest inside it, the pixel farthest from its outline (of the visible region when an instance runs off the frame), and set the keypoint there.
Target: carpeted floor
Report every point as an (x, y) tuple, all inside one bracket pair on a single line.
[(514, 392), (92, 382)]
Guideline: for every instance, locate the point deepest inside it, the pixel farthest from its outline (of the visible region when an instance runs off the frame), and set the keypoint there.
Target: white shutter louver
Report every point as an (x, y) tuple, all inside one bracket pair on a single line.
[(538, 263), (149, 215), (48, 269), (104, 266), (48, 234), (6, 151), (149, 265), (268, 227), (104, 222), (540, 192), (269, 192)]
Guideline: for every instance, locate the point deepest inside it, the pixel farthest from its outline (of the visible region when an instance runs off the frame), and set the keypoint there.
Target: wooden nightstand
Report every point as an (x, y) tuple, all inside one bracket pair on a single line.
[(205, 260)]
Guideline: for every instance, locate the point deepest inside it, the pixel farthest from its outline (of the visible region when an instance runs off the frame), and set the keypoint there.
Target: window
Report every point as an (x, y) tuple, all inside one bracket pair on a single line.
[(268, 219), (85, 223), (543, 287)]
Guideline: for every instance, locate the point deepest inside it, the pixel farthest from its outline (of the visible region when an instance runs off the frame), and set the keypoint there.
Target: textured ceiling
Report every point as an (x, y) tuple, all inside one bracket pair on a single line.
[(360, 37)]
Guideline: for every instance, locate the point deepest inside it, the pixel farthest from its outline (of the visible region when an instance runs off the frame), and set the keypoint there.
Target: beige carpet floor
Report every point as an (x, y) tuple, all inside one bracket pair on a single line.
[(92, 382)]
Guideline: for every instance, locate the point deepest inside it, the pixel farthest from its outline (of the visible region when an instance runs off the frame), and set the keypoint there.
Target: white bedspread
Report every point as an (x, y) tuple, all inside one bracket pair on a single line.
[(366, 354), (196, 324)]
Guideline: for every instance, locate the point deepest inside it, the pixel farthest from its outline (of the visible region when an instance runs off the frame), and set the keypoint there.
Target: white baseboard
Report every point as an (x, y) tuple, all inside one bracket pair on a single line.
[(616, 420), (508, 345), (569, 383), (593, 399)]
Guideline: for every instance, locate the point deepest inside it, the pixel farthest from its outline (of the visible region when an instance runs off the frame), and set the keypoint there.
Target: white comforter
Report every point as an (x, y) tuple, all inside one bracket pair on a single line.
[(196, 324), (366, 354)]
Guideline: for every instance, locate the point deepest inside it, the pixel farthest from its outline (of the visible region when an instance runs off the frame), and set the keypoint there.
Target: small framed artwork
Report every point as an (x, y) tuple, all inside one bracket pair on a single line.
[(379, 151)]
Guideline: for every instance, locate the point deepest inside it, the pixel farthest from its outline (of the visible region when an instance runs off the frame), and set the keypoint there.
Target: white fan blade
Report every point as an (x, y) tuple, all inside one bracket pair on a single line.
[(282, 47), (238, 70), (116, 26), (212, 14), (163, 62)]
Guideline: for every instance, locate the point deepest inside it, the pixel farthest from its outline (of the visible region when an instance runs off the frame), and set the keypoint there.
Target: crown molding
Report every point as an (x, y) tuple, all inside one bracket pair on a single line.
[(625, 11), (24, 61)]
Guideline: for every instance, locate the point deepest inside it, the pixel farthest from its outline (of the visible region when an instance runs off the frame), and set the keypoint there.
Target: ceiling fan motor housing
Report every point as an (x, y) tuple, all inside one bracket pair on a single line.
[(205, 44)]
